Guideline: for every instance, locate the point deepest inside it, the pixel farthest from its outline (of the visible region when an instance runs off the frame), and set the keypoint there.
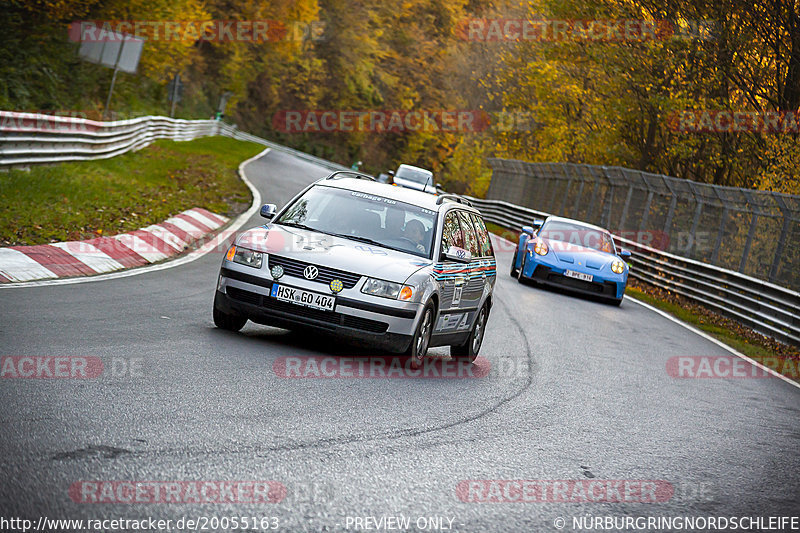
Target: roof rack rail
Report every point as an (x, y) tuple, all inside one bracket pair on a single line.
[(352, 173), (453, 198)]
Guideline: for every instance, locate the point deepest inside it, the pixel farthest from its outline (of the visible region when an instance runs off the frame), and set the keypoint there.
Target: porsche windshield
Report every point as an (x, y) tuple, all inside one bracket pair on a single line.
[(367, 218), (578, 235)]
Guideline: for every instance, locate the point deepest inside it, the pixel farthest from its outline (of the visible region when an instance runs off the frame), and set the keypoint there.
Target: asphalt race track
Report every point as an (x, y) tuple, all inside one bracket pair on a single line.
[(578, 390)]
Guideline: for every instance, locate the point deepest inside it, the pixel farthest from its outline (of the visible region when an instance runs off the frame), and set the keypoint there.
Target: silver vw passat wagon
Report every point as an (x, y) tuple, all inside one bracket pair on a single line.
[(401, 269)]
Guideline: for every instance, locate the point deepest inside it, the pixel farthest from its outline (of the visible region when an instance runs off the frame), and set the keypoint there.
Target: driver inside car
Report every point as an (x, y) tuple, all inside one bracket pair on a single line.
[(415, 232)]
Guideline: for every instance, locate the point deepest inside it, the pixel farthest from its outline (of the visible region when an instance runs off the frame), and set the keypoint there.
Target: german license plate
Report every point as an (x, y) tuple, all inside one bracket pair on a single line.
[(578, 275), (297, 296)]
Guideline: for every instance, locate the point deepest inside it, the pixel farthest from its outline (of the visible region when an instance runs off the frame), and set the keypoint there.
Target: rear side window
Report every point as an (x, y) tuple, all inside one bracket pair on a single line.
[(470, 238), (451, 233), (484, 242)]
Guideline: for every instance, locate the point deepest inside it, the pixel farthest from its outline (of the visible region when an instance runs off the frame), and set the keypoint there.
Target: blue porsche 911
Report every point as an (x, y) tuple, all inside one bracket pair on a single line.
[(573, 255)]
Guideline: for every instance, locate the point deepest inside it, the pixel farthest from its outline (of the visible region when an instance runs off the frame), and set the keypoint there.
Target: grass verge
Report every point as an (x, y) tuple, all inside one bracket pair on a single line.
[(76, 201), (767, 351)]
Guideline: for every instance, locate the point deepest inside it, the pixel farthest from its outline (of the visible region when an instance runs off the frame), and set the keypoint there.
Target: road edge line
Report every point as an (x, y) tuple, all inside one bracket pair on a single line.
[(714, 340), (698, 332)]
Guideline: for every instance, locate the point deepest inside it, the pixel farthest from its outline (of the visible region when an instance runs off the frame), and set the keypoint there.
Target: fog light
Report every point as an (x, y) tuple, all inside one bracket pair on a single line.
[(276, 271), (336, 286)]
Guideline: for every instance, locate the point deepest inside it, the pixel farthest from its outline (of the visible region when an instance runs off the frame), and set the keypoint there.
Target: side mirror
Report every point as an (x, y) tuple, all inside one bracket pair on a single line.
[(454, 253), (624, 253), (527, 230), (268, 211), (537, 223)]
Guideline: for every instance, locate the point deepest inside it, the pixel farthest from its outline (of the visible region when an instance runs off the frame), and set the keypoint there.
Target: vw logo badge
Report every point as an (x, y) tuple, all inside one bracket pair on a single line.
[(310, 272)]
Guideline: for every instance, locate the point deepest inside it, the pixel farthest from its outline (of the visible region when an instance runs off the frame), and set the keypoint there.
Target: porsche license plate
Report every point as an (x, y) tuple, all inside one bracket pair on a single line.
[(325, 302), (578, 275)]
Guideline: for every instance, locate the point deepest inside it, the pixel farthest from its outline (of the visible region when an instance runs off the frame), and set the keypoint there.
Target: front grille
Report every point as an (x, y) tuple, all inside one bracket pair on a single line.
[(607, 288), (293, 267), (365, 324), (332, 318), (579, 284), (244, 296)]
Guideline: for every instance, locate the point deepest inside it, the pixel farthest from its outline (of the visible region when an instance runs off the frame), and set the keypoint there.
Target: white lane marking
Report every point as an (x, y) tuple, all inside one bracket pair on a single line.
[(19, 267), (694, 330), (90, 255), (714, 340), (141, 247), (200, 217), (188, 258), (187, 226), (167, 236)]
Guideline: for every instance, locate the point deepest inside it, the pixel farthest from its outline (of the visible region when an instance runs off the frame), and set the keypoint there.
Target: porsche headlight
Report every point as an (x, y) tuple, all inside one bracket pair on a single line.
[(243, 256), (540, 247), (387, 289), (618, 266)]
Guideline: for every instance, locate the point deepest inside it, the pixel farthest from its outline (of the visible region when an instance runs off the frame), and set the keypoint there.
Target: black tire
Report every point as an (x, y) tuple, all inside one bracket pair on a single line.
[(520, 274), (422, 336), (618, 302), (227, 321), (514, 272), (470, 349)]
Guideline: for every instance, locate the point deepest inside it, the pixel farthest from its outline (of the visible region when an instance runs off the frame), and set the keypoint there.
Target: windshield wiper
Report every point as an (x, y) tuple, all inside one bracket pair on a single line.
[(358, 238), (296, 225), (367, 240), (309, 228)]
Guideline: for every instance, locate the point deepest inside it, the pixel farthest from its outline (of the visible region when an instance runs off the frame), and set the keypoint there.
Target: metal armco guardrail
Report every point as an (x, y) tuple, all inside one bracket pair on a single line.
[(765, 307), (753, 232), (32, 139)]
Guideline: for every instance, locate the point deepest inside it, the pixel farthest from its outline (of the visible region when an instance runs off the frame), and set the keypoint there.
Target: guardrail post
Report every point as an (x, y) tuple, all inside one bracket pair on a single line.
[(693, 232), (562, 209), (624, 216), (750, 234), (555, 181), (646, 213), (578, 197), (773, 271), (722, 220), (593, 200), (605, 217)]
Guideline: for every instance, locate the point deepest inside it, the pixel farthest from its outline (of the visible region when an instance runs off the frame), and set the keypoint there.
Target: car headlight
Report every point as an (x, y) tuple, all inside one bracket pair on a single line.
[(618, 266), (387, 289), (540, 247), (243, 256)]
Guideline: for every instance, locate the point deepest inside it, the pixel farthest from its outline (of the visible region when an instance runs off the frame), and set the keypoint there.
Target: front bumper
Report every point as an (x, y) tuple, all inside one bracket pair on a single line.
[(387, 327), (613, 289)]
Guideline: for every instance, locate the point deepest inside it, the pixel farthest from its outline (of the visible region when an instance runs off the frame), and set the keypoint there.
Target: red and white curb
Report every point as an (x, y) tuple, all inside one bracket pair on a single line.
[(108, 254)]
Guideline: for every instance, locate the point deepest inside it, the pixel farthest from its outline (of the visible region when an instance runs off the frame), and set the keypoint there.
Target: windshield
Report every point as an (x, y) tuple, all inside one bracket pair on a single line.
[(579, 235), (373, 220), (417, 176)]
